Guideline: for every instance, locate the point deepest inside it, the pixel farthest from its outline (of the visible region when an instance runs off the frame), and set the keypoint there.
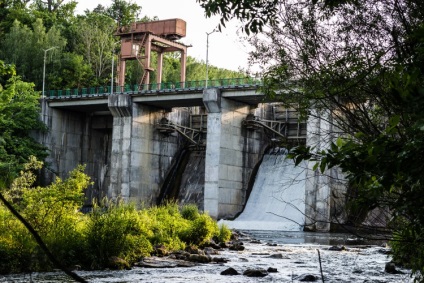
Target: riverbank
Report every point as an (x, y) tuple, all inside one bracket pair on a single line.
[(292, 260)]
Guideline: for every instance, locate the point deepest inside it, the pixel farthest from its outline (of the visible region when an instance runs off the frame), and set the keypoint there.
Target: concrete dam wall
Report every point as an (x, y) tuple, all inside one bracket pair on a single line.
[(129, 156)]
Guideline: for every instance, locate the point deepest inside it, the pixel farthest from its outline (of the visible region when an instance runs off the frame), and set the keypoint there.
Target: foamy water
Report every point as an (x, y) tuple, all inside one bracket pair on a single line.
[(277, 200)]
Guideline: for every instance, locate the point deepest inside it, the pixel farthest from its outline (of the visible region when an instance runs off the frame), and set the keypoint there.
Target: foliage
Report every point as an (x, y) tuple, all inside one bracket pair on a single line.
[(123, 12), (52, 211), (111, 229), (257, 14), (167, 224), (116, 230), (224, 234), (19, 115), (359, 66), (190, 212), (85, 45), (25, 48), (202, 229), (94, 40)]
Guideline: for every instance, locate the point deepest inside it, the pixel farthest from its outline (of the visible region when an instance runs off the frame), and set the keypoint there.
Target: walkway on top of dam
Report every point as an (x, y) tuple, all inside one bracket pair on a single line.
[(164, 95)]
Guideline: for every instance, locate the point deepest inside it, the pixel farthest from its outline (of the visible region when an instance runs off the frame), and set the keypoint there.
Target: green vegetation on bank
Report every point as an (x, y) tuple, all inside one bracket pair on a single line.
[(112, 229), (19, 116)]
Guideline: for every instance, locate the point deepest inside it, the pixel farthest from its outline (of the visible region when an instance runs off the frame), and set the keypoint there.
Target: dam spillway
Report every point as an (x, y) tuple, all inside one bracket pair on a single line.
[(277, 199)]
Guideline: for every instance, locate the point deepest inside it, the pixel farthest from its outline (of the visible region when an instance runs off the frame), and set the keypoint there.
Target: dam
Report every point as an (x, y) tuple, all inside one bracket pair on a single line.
[(199, 142), (194, 144)]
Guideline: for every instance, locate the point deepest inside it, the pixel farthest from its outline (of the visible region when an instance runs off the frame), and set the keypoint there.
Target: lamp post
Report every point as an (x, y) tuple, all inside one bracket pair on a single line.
[(207, 50), (113, 61), (44, 68)]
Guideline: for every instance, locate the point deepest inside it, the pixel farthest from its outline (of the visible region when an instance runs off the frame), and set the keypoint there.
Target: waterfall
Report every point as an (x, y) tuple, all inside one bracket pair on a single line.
[(277, 200)]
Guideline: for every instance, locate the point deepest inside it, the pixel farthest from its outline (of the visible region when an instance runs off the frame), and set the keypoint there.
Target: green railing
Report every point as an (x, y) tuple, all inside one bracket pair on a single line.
[(153, 88)]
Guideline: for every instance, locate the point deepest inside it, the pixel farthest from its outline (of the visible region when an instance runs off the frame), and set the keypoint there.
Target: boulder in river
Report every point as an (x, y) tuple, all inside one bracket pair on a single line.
[(255, 272), (307, 278), (391, 268), (230, 271)]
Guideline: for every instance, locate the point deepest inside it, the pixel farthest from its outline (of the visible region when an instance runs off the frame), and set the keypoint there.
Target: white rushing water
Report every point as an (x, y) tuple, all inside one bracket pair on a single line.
[(277, 200)]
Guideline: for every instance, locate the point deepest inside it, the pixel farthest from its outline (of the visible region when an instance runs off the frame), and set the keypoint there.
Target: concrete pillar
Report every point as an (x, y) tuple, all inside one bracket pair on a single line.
[(120, 106), (152, 153), (141, 156), (212, 102), (318, 185), (225, 161)]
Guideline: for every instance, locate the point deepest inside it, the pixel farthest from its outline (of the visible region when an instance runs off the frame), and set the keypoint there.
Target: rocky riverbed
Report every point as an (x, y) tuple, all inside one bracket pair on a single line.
[(254, 260)]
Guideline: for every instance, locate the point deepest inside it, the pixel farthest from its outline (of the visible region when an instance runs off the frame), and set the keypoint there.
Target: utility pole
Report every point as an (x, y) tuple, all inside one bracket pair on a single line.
[(113, 61), (207, 51), (44, 68)]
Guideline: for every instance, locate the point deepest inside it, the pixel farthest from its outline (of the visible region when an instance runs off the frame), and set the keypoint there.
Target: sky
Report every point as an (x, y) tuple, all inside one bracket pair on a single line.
[(225, 49)]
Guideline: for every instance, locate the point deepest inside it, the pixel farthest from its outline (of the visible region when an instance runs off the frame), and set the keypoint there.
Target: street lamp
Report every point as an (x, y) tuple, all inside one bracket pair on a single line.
[(44, 68), (113, 61), (207, 49)]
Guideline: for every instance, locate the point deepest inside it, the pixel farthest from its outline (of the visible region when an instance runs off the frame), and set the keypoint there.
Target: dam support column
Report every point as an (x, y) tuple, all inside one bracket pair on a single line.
[(224, 191), (121, 108), (141, 156), (318, 187)]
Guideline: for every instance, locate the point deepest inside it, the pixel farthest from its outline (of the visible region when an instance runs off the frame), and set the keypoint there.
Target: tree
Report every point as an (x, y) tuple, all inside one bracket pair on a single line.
[(360, 63), (19, 116), (96, 43), (123, 12), (24, 47)]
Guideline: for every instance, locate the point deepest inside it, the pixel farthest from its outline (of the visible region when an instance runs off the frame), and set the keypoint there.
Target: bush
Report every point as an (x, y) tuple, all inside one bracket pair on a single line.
[(167, 224), (408, 249), (190, 212), (200, 231), (16, 245), (224, 234), (114, 229)]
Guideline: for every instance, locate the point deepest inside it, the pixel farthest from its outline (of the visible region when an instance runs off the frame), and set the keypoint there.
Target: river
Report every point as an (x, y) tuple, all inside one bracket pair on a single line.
[(293, 254)]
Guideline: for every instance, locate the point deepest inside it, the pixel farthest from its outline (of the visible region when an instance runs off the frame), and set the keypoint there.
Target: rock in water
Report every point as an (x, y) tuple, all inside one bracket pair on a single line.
[(307, 278), (230, 271), (255, 272)]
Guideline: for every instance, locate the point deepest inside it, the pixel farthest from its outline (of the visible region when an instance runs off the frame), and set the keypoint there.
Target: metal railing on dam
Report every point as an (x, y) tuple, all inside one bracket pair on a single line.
[(154, 88)]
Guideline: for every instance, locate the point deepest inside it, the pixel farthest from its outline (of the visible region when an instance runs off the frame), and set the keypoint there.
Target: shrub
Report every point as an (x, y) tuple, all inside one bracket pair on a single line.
[(190, 212), (200, 231), (53, 213), (408, 249), (167, 225), (224, 234), (16, 245), (114, 229)]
